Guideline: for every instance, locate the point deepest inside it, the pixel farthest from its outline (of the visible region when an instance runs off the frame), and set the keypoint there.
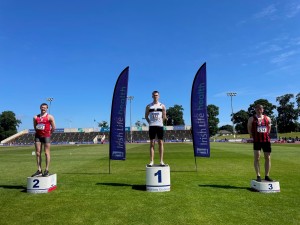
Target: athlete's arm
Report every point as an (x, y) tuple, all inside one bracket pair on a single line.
[(52, 122), (34, 122), (147, 113), (270, 124), (249, 126), (164, 112)]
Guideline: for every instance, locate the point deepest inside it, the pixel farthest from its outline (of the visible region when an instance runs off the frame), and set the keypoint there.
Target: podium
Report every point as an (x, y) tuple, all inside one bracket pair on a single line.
[(265, 186), (40, 184), (158, 178)]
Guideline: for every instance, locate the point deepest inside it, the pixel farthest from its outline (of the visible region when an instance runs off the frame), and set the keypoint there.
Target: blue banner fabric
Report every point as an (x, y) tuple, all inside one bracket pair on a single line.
[(200, 127), (117, 140)]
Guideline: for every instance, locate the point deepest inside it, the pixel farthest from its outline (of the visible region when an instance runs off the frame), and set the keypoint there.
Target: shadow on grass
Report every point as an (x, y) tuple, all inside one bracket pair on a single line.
[(96, 173), (23, 189), (224, 186), (134, 186)]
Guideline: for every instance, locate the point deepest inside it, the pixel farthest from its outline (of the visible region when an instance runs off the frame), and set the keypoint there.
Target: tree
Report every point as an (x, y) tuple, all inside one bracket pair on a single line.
[(103, 124), (287, 114), (8, 124), (268, 107), (140, 124), (212, 113), (298, 109), (226, 127), (241, 120), (175, 115), (298, 103), (241, 117)]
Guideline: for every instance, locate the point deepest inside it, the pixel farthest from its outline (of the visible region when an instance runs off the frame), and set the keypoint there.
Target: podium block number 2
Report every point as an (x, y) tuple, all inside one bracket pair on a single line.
[(158, 174), (36, 183)]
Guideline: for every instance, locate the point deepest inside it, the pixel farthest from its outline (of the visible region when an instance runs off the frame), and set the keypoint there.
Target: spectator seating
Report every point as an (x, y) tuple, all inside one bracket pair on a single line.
[(90, 137)]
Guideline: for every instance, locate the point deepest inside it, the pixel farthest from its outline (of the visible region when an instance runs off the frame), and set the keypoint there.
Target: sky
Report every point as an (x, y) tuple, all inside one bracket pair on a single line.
[(73, 51)]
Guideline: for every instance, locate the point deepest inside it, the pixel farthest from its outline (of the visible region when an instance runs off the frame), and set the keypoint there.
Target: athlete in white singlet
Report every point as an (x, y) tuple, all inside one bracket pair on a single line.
[(155, 115)]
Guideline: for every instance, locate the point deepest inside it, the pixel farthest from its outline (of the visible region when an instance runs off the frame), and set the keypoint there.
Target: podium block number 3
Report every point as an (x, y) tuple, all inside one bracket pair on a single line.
[(36, 183), (158, 174)]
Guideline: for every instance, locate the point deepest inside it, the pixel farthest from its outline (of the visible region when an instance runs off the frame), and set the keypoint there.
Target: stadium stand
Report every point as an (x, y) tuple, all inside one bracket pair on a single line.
[(95, 137)]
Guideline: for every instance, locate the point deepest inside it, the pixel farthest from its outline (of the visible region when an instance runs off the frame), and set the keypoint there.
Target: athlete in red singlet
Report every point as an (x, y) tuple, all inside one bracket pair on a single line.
[(44, 126), (259, 127)]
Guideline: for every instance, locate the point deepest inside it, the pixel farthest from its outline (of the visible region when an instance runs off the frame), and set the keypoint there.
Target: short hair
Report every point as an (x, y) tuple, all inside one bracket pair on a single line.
[(44, 104), (155, 92), (258, 106)]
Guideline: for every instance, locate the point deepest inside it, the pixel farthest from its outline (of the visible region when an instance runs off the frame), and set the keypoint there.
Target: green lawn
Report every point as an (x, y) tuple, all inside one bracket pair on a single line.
[(218, 193), (241, 136)]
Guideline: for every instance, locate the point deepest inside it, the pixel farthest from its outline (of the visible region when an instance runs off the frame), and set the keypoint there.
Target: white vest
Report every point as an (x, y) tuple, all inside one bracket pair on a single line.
[(155, 115)]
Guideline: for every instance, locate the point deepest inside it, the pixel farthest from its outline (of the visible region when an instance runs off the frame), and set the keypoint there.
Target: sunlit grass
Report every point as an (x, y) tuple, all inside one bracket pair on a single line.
[(218, 193)]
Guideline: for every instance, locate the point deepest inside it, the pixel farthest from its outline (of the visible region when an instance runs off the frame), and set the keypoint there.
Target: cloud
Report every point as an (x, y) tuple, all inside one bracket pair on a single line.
[(266, 12), (283, 50), (273, 11), (292, 9), (283, 57), (270, 48)]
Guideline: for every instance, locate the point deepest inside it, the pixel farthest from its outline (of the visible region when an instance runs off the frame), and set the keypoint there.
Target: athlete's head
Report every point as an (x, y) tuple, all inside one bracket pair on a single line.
[(44, 108), (44, 105), (259, 109), (155, 95)]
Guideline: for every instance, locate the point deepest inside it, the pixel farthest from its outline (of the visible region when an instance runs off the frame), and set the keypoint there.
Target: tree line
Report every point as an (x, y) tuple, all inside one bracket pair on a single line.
[(284, 117), (8, 124)]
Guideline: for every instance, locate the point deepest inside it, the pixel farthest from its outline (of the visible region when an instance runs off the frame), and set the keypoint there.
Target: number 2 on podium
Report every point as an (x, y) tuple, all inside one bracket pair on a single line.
[(36, 185), (158, 174)]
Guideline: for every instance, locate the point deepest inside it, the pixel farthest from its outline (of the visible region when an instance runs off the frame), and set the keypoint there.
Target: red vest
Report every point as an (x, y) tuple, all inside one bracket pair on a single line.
[(260, 130), (43, 126)]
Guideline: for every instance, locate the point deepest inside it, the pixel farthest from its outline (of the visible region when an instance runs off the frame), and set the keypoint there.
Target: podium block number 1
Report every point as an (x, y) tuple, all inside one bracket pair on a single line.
[(158, 174)]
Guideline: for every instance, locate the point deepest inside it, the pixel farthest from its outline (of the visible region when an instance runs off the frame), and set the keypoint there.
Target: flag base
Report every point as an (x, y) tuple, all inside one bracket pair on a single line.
[(158, 178), (40, 184), (265, 186)]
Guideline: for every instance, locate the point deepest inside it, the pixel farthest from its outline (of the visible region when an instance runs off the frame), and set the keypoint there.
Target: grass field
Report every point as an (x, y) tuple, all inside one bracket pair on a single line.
[(218, 193), (240, 136)]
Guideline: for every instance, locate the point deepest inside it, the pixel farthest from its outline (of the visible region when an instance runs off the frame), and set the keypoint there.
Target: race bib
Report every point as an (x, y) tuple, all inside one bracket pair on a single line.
[(155, 116), (40, 126), (262, 129)]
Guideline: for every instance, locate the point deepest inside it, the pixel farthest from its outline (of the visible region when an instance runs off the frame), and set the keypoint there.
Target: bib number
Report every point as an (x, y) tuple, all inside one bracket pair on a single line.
[(40, 126), (262, 129), (155, 117)]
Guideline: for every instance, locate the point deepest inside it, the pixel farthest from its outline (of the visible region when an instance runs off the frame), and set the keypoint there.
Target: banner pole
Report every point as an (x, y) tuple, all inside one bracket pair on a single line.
[(196, 164), (108, 165)]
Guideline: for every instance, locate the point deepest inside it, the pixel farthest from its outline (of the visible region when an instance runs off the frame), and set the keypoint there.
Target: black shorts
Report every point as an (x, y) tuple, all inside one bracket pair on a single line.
[(42, 139), (265, 146), (156, 130)]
